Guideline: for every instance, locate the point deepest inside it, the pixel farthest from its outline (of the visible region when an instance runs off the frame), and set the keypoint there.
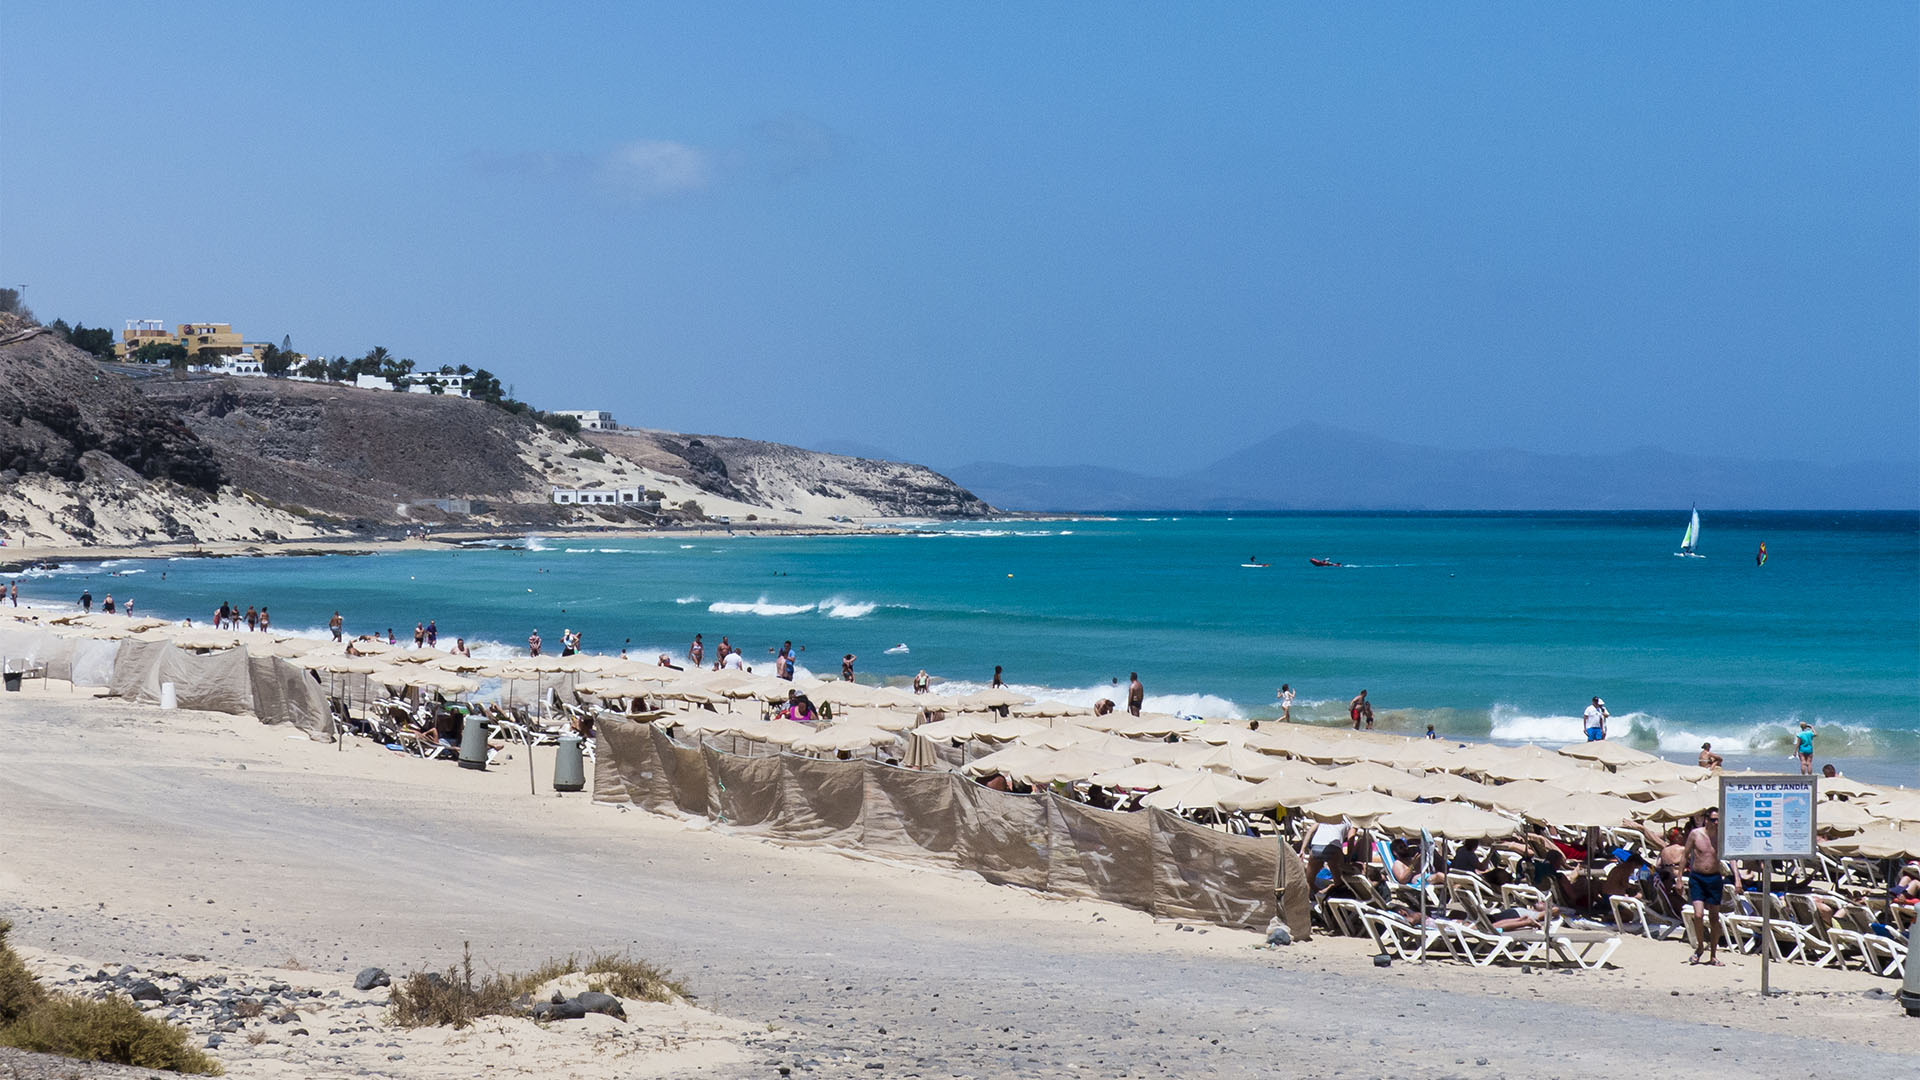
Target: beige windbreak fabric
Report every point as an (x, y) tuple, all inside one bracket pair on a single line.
[(1151, 860)]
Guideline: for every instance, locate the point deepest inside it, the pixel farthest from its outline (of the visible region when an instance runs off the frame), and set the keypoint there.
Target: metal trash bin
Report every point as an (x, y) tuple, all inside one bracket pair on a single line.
[(473, 742), (569, 766), (1910, 989), (13, 681)]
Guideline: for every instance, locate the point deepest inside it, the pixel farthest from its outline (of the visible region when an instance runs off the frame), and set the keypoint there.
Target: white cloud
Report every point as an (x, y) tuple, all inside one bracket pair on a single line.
[(654, 169)]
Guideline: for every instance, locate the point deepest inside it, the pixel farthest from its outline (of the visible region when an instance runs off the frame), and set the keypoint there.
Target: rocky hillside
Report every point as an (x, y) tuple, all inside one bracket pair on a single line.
[(104, 455), (787, 478)]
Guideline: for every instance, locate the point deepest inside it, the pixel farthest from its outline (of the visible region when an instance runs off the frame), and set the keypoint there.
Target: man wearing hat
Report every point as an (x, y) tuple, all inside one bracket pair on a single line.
[(1596, 720), (1803, 746)]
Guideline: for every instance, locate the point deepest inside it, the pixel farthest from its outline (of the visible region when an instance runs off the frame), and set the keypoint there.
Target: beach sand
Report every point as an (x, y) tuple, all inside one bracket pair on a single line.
[(139, 836)]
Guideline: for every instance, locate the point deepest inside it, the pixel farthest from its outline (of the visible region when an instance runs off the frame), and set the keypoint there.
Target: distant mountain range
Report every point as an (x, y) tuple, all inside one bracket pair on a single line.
[(1316, 467)]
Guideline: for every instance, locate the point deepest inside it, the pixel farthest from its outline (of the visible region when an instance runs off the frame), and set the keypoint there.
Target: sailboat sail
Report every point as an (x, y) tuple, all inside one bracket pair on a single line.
[(1692, 536)]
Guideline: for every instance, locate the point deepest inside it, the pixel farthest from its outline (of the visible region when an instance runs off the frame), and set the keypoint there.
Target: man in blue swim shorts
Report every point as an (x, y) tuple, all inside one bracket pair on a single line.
[(1706, 885)]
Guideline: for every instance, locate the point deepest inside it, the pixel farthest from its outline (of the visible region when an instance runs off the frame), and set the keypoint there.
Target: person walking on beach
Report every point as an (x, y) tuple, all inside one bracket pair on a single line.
[(1285, 695), (1136, 694), (997, 681), (533, 643), (107, 605), (13, 592), (696, 652), (86, 601), (253, 617), (720, 654), (1705, 884), (1595, 721), (566, 641), (846, 667), (1357, 707), (265, 620), (433, 634), (1803, 748), (336, 624), (920, 682), (419, 635)]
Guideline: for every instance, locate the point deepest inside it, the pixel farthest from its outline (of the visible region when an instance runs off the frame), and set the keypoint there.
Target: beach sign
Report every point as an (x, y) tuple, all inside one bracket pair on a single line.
[(1767, 817)]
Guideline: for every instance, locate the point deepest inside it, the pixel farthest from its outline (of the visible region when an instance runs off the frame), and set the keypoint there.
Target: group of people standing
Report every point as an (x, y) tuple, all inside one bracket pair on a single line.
[(226, 617), (86, 601)]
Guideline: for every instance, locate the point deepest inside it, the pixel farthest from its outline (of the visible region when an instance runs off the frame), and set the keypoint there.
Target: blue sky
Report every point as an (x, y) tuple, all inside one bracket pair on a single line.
[(1046, 234)]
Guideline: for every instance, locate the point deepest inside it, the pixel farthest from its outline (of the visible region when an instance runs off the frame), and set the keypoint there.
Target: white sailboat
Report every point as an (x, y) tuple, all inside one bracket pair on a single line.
[(1692, 538)]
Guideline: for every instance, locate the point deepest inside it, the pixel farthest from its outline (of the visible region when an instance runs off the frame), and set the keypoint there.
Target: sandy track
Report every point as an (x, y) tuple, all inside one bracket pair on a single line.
[(133, 834)]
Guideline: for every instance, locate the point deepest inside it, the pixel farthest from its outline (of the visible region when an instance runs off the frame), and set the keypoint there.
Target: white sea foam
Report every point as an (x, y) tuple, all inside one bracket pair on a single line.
[(535, 543), (1193, 705), (686, 600), (836, 608), (686, 547), (761, 606)]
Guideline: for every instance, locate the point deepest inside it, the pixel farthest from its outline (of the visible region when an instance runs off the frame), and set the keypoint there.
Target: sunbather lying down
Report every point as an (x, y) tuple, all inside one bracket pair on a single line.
[(1526, 918)]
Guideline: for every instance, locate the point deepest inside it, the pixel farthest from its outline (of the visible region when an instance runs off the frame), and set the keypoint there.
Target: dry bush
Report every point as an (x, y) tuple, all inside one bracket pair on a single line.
[(457, 998), (247, 1008), (110, 1030)]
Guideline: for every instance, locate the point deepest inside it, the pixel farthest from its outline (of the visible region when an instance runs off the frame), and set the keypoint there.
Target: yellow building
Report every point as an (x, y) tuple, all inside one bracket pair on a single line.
[(210, 339)]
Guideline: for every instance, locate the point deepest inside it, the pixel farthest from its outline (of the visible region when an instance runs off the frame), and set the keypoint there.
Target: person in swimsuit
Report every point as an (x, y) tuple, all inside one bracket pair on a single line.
[(996, 676), (1286, 703), (696, 652), (1705, 883), (1709, 759), (335, 624), (846, 667), (920, 682), (1136, 694), (533, 643), (1803, 748), (1355, 706)]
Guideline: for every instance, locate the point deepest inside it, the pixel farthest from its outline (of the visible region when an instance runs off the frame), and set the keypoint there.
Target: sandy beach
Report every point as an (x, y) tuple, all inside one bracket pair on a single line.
[(143, 837)]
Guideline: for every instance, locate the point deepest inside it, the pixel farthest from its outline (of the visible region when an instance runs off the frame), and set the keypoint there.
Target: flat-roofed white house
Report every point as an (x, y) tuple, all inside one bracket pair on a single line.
[(626, 496), (450, 383), (590, 419), (373, 382)]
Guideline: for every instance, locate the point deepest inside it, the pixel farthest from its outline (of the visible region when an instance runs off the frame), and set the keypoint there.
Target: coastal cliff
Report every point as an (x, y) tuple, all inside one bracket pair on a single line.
[(94, 454)]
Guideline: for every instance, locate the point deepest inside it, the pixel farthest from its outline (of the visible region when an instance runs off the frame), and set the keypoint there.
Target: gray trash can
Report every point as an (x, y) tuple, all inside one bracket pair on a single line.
[(569, 768), (13, 681), (1910, 990), (473, 742)]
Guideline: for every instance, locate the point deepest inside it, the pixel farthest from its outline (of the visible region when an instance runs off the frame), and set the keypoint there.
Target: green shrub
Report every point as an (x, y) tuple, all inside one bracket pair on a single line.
[(113, 1029)]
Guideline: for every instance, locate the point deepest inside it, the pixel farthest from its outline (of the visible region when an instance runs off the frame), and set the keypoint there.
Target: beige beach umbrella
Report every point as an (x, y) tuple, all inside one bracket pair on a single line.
[(284, 648), (1879, 842), (1286, 790), (1836, 818), (339, 664), (773, 732), (1238, 760), (1166, 753), (1066, 767), (1051, 708), (1013, 757), (1899, 804), (1427, 754), (369, 646), (422, 655), (202, 638), (1664, 770), (1366, 776), (1681, 805), (1141, 776), (1613, 754), (843, 693), (1600, 782), (869, 716), (955, 728), (1059, 736), (1443, 786), (602, 686), (1008, 730), (1455, 821), (1583, 810), (1220, 733), (1203, 792), (993, 697), (1523, 767), (844, 737), (1149, 724), (1848, 787), (1131, 749), (1359, 807)]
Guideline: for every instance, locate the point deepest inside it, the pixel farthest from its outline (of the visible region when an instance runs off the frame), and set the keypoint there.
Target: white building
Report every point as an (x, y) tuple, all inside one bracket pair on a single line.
[(626, 496), (373, 382), (449, 383), (590, 419)]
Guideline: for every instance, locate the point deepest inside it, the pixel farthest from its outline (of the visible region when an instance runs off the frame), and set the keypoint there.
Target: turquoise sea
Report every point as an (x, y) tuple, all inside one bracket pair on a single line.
[(1485, 625)]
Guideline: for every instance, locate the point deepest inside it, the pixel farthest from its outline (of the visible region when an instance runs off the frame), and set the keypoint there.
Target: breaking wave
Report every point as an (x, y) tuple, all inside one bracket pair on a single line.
[(761, 606)]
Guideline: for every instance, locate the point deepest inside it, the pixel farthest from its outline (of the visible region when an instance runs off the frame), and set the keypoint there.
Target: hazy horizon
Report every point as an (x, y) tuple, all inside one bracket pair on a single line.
[(1141, 239)]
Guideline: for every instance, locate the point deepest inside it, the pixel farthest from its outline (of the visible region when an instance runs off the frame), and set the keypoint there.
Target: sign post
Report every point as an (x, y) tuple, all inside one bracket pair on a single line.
[(1768, 818)]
